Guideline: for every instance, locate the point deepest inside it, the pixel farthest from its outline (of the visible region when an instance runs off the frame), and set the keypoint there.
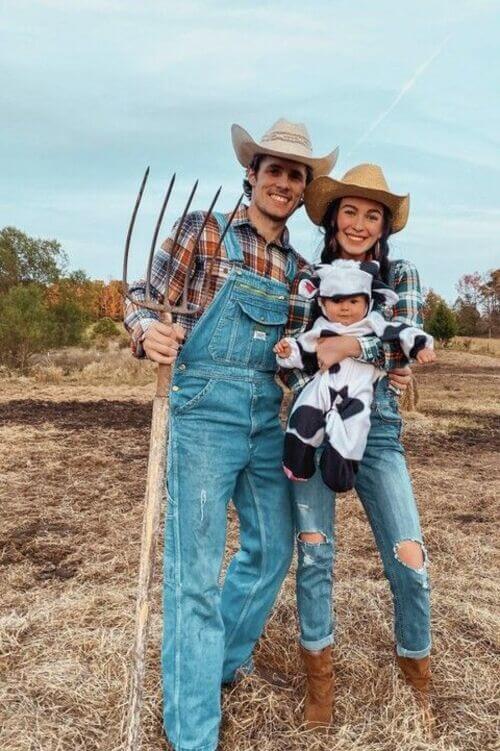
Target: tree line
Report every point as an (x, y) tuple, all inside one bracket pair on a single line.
[(43, 306), (475, 312)]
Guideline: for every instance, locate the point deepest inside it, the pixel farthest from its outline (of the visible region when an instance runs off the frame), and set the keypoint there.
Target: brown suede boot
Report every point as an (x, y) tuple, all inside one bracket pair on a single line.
[(318, 711), (418, 675), (416, 672)]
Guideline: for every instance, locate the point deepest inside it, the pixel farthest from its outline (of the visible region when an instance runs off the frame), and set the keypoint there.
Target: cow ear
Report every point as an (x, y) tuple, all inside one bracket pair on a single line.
[(308, 288), (383, 294), (370, 267)]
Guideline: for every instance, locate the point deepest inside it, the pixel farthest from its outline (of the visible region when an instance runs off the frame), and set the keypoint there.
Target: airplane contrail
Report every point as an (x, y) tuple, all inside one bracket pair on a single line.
[(404, 90)]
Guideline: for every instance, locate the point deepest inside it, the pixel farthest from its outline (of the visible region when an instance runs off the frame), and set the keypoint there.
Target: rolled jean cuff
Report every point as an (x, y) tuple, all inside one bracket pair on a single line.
[(402, 652), (316, 646), (197, 748)]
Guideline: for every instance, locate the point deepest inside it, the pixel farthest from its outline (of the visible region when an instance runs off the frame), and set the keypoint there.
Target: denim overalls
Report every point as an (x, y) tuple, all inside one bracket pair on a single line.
[(225, 443)]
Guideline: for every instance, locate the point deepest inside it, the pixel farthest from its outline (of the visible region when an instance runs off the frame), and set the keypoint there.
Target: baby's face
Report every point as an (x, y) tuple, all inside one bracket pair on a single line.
[(346, 311)]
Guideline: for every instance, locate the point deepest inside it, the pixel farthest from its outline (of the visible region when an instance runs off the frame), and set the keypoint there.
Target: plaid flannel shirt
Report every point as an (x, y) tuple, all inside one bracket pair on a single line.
[(405, 281), (265, 259)]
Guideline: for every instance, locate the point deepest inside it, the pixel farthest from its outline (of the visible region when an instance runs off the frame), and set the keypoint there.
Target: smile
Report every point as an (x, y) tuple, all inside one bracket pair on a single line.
[(356, 238), (279, 199)]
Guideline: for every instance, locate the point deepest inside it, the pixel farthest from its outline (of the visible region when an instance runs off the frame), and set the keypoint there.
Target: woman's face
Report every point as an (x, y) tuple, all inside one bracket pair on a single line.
[(360, 223)]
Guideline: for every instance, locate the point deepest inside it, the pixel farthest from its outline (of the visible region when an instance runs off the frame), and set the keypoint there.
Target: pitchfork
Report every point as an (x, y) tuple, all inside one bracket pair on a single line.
[(155, 484)]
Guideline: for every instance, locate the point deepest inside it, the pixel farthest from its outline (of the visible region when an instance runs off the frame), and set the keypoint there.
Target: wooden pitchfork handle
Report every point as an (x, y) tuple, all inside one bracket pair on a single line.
[(155, 484), (155, 487)]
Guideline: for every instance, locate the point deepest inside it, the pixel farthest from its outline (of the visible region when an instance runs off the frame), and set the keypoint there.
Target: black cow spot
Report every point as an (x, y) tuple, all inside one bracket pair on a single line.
[(325, 333), (418, 344), (309, 360), (391, 333), (334, 368), (350, 407), (378, 297), (298, 457), (307, 421), (337, 473), (334, 394)]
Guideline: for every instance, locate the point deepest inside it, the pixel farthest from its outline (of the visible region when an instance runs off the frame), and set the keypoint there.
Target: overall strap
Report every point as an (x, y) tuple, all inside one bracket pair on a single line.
[(291, 267), (231, 243)]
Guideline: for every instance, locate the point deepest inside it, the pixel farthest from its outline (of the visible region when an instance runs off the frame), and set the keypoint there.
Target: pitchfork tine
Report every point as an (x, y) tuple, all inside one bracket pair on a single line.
[(229, 222), (130, 230), (166, 304), (193, 254), (221, 240), (155, 237)]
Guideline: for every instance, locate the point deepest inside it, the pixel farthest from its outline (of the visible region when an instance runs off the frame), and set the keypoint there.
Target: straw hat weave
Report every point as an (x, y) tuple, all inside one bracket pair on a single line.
[(363, 181)]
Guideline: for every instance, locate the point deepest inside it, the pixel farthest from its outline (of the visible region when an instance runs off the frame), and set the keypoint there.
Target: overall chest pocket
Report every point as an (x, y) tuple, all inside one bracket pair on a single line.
[(248, 329)]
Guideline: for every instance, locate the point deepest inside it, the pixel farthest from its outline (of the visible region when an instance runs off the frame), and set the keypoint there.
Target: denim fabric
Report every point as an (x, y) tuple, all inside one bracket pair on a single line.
[(225, 442), (384, 488)]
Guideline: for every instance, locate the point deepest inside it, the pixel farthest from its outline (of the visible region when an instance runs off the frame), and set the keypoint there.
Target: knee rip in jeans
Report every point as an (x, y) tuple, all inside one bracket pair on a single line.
[(412, 554), (313, 538), (318, 543)]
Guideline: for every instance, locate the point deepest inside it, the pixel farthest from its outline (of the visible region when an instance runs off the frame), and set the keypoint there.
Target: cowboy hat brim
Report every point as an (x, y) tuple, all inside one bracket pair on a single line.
[(320, 193), (246, 148)]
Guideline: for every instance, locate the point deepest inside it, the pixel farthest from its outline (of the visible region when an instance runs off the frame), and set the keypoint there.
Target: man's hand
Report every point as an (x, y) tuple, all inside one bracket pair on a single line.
[(162, 340), (334, 349), (400, 378), (426, 355), (283, 348)]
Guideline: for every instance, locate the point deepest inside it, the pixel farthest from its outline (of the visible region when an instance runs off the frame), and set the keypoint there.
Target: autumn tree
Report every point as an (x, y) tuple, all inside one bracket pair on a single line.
[(479, 299), (468, 319), (430, 302), (111, 301), (491, 301)]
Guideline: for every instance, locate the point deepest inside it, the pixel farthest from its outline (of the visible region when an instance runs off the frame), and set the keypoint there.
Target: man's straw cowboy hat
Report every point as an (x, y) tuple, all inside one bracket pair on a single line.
[(286, 140), (363, 181)]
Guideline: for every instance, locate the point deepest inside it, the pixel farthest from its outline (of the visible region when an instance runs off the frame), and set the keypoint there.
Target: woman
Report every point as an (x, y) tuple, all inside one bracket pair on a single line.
[(358, 214)]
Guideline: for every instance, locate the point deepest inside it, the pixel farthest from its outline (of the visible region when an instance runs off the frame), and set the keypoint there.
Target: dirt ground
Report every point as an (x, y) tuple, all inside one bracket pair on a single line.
[(72, 469)]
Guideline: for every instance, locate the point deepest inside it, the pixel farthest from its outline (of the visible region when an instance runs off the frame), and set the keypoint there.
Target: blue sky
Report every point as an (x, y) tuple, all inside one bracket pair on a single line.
[(93, 91)]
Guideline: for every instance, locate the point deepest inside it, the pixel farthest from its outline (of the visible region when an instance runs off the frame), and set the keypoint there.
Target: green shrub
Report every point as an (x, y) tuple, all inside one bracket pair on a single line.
[(104, 328), (68, 321), (26, 325), (442, 324)]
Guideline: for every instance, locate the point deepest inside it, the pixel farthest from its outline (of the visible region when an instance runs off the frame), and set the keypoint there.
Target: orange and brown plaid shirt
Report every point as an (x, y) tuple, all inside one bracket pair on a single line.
[(261, 257)]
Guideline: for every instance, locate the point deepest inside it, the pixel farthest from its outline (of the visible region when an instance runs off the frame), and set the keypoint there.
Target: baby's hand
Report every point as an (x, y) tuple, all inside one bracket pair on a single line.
[(283, 348), (426, 356)]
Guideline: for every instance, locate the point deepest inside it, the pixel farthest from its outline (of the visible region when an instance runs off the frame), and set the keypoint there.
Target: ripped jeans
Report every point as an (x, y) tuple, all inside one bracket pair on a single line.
[(384, 489)]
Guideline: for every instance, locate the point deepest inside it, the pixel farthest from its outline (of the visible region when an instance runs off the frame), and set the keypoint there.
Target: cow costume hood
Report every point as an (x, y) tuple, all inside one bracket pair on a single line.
[(343, 278)]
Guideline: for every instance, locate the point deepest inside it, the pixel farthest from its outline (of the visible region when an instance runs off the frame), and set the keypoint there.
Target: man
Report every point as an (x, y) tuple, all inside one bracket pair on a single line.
[(225, 438)]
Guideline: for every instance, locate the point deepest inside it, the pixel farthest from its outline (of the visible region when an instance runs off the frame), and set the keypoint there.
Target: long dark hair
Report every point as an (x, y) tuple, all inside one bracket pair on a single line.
[(331, 251)]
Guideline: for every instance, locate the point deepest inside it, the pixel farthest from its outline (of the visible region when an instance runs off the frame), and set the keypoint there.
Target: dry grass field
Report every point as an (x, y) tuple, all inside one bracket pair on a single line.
[(72, 469)]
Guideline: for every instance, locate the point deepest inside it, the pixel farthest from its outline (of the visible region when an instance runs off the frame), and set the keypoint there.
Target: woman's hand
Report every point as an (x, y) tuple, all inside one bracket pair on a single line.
[(161, 342), (400, 378), (333, 349), (283, 349)]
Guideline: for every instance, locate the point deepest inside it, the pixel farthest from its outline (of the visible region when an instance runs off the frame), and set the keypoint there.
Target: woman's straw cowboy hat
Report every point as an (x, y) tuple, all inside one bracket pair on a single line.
[(363, 181), (286, 140)]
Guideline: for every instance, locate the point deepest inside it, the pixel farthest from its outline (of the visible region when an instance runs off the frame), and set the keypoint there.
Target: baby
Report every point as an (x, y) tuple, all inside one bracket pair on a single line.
[(334, 407)]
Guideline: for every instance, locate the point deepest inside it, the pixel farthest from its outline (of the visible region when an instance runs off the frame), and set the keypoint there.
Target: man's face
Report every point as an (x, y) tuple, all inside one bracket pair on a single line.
[(277, 187)]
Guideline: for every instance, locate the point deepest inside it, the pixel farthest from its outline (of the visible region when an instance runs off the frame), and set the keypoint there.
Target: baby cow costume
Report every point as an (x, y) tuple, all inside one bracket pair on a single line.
[(334, 407)]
